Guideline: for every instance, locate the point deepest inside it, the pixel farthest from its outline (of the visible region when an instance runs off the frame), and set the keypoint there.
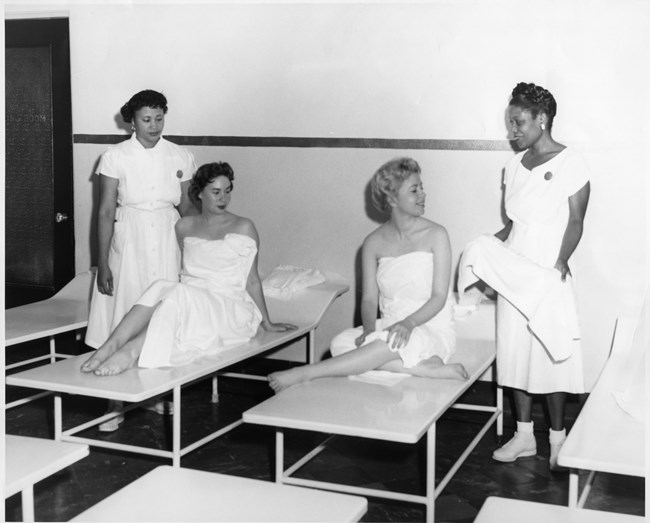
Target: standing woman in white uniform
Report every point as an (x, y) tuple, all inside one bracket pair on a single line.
[(143, 186), (546, 195)]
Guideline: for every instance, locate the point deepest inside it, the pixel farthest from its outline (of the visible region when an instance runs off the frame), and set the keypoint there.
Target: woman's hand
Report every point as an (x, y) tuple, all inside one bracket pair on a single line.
[(399, 333), (563, 266), (361, 339), (278, 327), (105, 281)]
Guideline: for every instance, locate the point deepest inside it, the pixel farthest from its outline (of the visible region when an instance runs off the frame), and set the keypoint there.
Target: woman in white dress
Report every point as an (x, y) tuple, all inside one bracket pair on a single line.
[(143, 186), (406, 268), (217, 305), (546, 195)]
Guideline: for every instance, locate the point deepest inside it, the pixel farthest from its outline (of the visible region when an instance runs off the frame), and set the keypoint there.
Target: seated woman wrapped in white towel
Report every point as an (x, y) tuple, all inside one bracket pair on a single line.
[(218, 303), (406, 265)]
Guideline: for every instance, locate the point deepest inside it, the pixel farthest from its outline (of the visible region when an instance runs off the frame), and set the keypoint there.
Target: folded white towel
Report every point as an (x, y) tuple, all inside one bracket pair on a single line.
[(537, 292), (285, 280)]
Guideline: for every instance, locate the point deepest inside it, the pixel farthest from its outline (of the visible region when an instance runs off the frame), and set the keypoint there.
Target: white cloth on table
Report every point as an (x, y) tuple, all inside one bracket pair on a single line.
[(405, 284), (537, 292), (209, 311), (285, 280), (143, 247), (537, 202)]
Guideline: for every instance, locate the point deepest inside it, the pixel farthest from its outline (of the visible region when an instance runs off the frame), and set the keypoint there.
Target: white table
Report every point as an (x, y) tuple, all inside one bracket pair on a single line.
[(30, 460), (502, 510), (136, 385), (401, 413), (604, 437), (66, 311), (179, 494)]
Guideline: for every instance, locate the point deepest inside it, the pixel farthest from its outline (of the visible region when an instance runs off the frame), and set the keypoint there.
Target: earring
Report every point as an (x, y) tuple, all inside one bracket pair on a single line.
[(543, 126)]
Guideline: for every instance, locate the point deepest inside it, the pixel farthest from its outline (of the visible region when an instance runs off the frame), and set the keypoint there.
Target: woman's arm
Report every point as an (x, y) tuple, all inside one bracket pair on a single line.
[(105, 227), (186, 207), (254, 287), (577, 210), (369, 288), (400, 332), (505, 232)]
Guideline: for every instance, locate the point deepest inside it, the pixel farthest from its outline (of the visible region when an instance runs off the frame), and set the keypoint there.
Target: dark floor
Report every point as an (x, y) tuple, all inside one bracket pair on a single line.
[(248, 452)]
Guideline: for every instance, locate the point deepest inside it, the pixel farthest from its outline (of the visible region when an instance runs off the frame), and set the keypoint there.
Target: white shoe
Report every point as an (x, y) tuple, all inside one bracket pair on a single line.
[(162, 407), (555, 450), (112, 424), (520, 446)]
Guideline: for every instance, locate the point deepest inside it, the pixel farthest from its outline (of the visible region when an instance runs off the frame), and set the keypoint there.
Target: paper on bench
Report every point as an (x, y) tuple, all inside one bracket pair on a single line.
[(380, 377)]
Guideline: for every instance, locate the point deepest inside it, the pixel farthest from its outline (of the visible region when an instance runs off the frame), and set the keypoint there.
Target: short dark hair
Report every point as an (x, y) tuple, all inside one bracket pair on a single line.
[(535, 99), (206, 174), (146, 98), (389, 178)]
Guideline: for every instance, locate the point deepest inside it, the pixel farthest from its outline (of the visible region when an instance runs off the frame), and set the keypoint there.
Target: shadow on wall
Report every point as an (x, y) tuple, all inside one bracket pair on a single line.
[(378, 217)]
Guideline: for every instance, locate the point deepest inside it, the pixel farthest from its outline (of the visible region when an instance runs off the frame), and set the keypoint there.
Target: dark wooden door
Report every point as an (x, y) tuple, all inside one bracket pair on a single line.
[(39, 229)]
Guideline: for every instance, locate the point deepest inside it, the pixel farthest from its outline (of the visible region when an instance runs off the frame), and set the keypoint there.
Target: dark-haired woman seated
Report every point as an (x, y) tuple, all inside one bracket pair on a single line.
[(217, 305)]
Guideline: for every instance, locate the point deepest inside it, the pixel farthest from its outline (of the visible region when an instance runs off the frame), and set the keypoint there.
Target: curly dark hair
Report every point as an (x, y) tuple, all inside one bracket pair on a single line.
[(389, 178), (535, 99), (206, 174), (146, 98)]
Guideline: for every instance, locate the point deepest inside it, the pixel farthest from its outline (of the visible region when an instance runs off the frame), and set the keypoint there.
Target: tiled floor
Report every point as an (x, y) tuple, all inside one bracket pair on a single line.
[(248, 452)]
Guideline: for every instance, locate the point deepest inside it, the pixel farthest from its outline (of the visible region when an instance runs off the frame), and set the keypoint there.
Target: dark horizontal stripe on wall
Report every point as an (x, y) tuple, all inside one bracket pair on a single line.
[(340, 143)]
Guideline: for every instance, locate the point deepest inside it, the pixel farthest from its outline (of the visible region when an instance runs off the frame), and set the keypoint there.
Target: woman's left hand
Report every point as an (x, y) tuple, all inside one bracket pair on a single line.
[(563, 266), (399, 333), (278, 327)]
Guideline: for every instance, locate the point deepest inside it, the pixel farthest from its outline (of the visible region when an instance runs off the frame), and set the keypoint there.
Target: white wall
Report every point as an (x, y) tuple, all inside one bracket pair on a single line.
[(440, 69)]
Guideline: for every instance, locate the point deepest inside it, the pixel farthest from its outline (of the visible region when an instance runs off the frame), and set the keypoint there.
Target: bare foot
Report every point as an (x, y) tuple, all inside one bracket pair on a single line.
[(454, 371), (120, 361), (285, 378), (99, 356)]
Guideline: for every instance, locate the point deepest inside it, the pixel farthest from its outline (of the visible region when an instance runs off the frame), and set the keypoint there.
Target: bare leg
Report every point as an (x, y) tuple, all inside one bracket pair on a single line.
[(556, 402), (372, 356), (523, 405), (124, 358), (131, 325), (368, 357), (434, 367)]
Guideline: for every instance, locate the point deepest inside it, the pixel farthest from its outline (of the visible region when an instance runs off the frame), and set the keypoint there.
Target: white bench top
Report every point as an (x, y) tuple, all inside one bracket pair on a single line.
[(29, 460), (180, 494), (502, 510), (65, 311), (401, 413), (604, 437), (305, 310)]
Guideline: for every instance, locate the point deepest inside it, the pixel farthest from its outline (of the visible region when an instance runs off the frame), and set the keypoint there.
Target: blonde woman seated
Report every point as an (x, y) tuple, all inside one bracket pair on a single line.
[(406, 266), (217, 305)]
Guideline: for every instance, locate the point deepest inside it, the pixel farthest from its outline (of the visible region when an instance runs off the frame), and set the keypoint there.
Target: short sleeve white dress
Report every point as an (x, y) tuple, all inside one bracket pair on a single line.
[(537, 203), (144, 246)]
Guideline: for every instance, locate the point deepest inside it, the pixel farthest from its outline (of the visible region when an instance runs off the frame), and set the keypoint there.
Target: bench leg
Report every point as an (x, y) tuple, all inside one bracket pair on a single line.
[(215, 389), (176, 427), (279, 456), (58, 417), (310, 340), (431, 473), (52, 350), (27, 498), (500, 408)]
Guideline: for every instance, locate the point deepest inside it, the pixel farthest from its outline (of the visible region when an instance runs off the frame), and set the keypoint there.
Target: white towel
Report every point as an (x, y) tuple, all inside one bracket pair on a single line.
[(285, 280), (537, 292)]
